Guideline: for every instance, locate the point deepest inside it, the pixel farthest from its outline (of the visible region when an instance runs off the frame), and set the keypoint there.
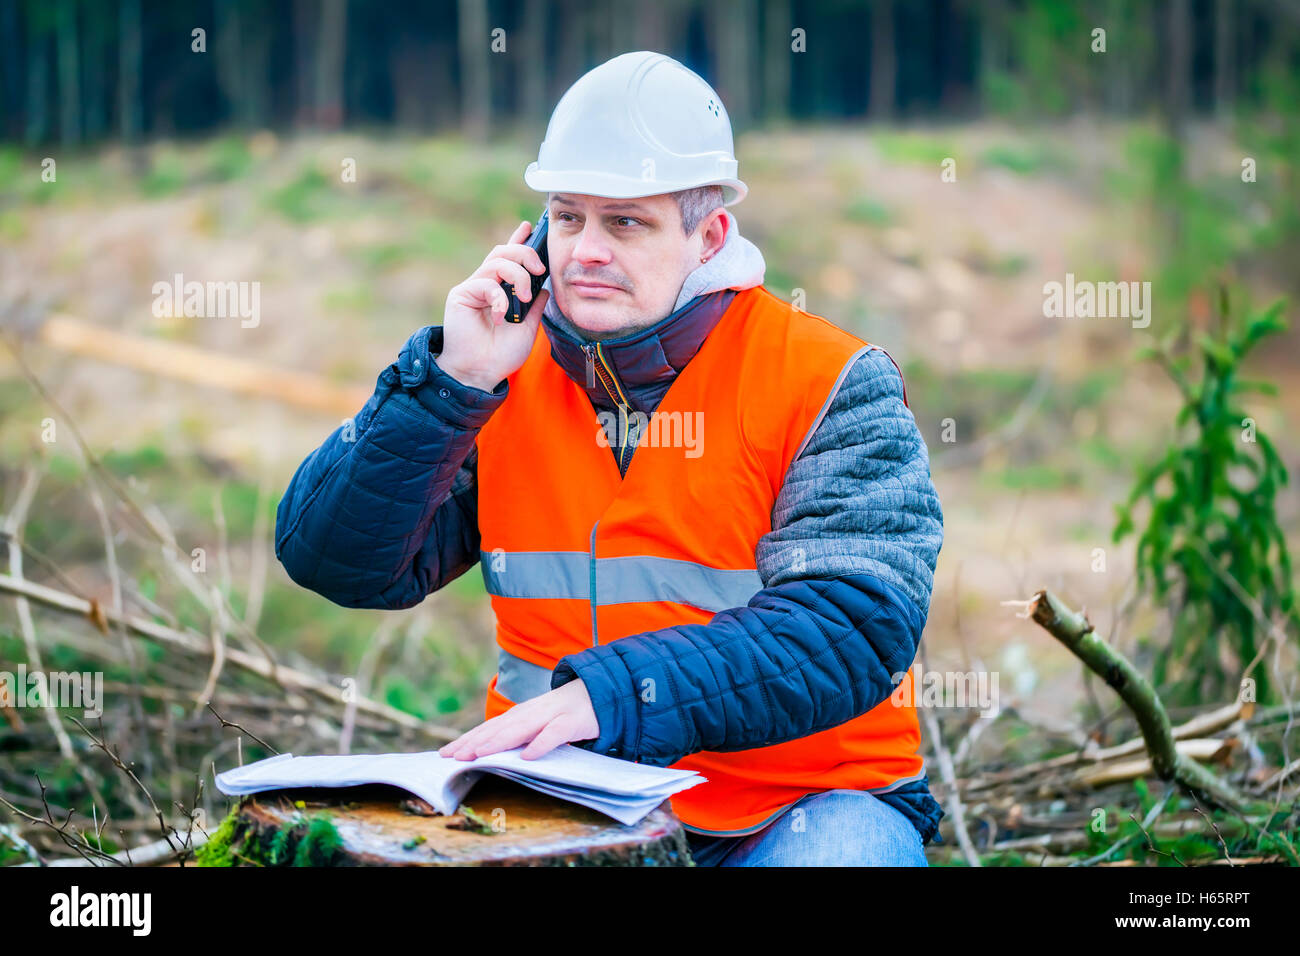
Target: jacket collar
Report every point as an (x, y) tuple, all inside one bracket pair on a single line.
[(644, 362)]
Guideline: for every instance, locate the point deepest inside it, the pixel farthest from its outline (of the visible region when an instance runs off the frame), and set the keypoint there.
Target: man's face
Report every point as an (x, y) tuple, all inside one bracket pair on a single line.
[(618, 264)]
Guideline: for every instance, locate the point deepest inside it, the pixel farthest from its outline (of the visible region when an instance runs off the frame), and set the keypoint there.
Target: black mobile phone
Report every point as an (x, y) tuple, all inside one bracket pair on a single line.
[(516, 310)]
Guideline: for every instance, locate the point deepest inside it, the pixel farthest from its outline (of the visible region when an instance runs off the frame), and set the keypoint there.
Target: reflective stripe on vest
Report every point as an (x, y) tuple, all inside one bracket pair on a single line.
[(520, 680), (566, 575)]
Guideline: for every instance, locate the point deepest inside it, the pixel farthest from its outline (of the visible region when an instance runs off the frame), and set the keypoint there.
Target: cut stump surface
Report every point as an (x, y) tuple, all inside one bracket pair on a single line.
[(509, 825)]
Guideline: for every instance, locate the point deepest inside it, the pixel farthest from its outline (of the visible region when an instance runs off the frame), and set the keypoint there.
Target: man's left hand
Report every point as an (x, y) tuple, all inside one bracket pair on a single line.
[(543, 723)]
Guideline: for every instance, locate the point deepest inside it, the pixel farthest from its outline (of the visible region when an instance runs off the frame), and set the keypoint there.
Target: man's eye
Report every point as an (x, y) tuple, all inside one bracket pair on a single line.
[(620, 219)]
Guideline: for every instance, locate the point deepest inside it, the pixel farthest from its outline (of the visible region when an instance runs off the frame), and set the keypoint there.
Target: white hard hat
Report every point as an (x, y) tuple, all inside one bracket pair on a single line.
[(640, 124)]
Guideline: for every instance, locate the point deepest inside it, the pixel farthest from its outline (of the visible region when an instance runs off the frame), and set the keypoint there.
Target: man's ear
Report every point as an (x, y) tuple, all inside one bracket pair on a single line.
[(713, 232)]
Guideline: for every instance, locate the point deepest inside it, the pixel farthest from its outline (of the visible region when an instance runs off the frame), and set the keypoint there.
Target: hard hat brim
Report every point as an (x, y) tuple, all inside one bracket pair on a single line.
[(610, 186)]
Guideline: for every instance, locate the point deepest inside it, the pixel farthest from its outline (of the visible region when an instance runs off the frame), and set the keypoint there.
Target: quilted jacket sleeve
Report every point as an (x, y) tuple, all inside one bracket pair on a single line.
[(847, 572), (385, 511)]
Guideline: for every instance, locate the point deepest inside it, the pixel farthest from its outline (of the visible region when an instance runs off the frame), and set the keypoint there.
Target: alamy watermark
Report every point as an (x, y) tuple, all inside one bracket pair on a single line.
[(1092, 300), (83, 689), (657, 430), (948, 689), (213, 300)]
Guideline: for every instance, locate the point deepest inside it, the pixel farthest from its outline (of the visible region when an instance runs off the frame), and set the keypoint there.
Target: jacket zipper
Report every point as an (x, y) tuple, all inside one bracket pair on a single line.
[(598, 367)]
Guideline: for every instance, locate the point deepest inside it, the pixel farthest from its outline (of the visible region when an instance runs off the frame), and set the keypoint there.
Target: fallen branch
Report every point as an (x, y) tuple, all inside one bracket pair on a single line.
[(201, 366), (1209, 750), (1198, 726), (287, 677), (151, 854), (1076, 632)]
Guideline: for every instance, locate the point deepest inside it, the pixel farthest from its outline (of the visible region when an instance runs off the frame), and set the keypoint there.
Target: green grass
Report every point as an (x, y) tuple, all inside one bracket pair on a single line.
[(304, 199), (870, 211), (1024, 158), (901, 146), (386, 256), (167, 175), (358, 297), (229, 159)]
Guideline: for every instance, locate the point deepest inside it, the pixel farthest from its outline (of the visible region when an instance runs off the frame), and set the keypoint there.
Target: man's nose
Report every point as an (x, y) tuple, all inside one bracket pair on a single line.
[(591, 246)]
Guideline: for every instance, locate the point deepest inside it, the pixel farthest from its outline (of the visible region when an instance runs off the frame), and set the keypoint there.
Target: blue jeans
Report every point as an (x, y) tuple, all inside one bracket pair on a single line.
[(832, 828)]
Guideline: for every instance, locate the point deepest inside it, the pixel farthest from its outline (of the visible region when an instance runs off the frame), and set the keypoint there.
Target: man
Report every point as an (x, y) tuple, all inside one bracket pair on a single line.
[(705, 518)]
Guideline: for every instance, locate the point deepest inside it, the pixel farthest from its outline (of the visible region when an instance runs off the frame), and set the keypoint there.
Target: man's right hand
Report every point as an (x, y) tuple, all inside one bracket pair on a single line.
[(479, 347)]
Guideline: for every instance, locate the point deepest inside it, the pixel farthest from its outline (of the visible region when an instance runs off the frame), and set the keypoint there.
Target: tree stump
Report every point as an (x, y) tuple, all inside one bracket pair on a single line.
[(500, 823)]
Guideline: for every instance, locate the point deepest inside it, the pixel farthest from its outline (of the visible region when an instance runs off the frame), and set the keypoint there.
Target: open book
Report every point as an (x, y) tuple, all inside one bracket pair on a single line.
[(620, 789)]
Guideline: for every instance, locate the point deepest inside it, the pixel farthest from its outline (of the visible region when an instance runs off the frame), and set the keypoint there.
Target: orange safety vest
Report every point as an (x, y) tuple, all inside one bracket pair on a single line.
[(573, 555)]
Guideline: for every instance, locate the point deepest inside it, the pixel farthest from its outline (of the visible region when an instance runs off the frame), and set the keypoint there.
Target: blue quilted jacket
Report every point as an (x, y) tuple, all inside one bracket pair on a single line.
[(385, 512)]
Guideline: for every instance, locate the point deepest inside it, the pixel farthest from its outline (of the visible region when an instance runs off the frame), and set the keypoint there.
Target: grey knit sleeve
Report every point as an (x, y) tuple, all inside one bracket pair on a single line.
[(858, 499)]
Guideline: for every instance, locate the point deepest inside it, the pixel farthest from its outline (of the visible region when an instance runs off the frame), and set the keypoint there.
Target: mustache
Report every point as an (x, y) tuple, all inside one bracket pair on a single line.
[(617, 282)]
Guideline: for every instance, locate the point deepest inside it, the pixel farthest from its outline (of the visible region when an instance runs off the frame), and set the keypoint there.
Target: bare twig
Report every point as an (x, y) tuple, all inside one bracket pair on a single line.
[(950, 779), (230, 723), (289, 678), (1077, 633)]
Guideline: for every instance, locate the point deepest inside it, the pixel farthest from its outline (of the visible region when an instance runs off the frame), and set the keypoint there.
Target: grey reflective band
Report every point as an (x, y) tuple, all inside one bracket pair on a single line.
[(519, 680), (629, 580), (566, 575), (536, 574)]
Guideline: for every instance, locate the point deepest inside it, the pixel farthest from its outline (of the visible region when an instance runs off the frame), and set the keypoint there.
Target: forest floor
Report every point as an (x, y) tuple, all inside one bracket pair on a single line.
[(948, 276)]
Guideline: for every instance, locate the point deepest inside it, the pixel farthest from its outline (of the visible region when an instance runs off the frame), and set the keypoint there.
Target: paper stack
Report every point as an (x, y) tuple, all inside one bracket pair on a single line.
[(617, 788)]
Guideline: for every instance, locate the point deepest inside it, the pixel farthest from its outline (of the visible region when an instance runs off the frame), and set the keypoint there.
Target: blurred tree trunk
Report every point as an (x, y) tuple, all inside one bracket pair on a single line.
[(304, 19), (571, 62), (992, 49), (884, 64), (734, 29), (69, 74), (475, 77), (331, 39), (410, 71), (777, 59), (533, 65), (242, 47), (11, 61), (94, 93), (38, 73), (1178, 72), (950, 32), (651, 26), (1178, 80), (225, 45), (445, 109), (255, 39), (1119, 69), (129, 113), (1225, 61), (620, 31)]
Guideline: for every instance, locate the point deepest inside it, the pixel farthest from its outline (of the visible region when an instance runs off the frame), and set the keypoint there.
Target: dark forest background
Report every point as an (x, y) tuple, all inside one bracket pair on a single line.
[(74, 71), (920, 173)]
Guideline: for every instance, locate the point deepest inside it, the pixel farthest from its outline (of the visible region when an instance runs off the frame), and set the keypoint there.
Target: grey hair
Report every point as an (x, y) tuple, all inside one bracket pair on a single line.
[(697, 203), (694, 204)]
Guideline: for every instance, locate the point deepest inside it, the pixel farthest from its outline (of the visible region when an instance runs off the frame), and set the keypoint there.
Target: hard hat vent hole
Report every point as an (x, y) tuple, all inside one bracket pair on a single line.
[(712, 107)]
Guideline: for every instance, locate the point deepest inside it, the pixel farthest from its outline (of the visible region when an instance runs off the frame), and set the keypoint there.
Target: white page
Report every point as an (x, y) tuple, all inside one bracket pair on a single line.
[(426, 774), (619, 788), (566, 764), (659, 793), (656, 797)]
